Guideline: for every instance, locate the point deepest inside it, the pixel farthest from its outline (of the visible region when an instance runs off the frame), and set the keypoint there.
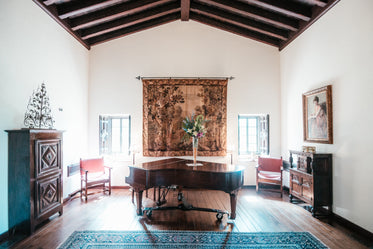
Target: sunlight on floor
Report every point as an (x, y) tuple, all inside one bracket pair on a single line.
[(251, 198)]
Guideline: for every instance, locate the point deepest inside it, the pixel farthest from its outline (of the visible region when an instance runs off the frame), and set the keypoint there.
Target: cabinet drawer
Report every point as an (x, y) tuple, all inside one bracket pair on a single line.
[(48, 194), (47, 157), (295, 184), (307, 188)]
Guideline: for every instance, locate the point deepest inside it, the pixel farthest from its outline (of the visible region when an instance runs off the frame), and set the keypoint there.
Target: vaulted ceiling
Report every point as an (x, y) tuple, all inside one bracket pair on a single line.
[(274, 22)]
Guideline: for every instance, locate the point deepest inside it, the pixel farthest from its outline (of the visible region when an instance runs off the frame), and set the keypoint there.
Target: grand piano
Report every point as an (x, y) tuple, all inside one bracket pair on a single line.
[(175, 172)]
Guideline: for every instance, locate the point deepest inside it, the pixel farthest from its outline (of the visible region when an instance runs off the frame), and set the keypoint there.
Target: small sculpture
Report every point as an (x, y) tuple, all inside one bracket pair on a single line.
[(38, 113)]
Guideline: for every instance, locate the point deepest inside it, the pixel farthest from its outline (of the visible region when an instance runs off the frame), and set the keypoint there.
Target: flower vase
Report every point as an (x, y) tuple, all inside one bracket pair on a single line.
[(195, 150)]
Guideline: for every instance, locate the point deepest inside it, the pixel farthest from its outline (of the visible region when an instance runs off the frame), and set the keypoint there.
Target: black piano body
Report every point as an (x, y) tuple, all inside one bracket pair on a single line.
[(175, 171)]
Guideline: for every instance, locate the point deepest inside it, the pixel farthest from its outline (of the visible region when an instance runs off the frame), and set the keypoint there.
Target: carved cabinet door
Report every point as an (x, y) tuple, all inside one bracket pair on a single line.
[(295, 184), (47, 157), (48, 194), (307, 187)]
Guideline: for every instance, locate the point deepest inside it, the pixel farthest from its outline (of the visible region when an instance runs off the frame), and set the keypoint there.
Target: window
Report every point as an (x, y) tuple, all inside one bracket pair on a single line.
[(253, 134), (115, 133)]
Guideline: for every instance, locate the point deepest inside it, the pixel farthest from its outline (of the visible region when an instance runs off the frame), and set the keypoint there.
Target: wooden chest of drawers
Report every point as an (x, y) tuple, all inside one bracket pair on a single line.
[(311, 181)]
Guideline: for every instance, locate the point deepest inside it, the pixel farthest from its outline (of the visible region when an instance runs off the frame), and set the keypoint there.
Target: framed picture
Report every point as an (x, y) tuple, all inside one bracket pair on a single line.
[(318, 115)]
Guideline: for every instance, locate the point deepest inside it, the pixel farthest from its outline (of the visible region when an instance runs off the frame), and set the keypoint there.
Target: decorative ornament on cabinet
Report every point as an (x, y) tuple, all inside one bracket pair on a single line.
[(38, 113)]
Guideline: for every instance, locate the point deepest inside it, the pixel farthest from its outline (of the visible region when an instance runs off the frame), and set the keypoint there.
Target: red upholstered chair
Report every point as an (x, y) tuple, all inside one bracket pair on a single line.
[(269, 171), (93, 173)]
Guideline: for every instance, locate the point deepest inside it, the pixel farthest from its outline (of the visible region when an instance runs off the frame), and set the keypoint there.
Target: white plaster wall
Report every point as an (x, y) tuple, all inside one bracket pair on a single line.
[(186, 49), (33, 49), (337, 50)]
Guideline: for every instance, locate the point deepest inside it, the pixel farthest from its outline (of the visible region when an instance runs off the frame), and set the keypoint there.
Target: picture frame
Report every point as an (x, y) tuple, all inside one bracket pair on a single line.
[(318, 115)]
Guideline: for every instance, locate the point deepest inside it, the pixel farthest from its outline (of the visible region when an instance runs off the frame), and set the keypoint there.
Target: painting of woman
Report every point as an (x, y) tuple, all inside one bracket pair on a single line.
[(318, 115), (317, 120)]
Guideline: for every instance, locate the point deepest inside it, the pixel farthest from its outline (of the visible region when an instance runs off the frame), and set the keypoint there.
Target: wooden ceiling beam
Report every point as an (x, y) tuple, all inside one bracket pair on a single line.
[(255, 12), (75, 8), (317, 13), (133, 29), (320, 3), (52, 12), (185, 9), (239, 21), (235, 29), (130, 20), (274, 22), (117, 11), (287, 8), (50, 2)]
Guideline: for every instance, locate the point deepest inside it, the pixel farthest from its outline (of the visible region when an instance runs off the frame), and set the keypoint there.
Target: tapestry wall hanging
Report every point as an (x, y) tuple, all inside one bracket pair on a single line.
[(167, 102)]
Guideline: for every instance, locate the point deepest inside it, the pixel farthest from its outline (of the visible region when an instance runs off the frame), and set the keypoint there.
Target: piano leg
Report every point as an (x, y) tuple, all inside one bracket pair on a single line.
[(233, 196), (139, 202)]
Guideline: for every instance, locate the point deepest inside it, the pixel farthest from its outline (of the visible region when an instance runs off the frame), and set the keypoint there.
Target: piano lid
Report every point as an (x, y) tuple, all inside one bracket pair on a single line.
[(181, 164)]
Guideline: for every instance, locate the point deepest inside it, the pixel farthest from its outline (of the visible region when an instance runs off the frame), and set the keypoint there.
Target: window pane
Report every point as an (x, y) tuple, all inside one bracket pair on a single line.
[(252, 131), (242, 131), (242, 122), (252, 122), (252, 148), (115, 136), (243, 146), (125, 135)]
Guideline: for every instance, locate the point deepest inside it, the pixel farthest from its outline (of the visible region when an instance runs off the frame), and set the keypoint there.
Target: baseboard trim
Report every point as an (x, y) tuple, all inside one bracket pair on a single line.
[(70, 196), (249, 186), (4, 236), (353, 227), (356, 230)]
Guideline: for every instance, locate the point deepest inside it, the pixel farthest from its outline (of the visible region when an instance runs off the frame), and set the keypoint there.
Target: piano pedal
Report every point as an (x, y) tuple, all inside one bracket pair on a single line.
[(219, 216), (149, 213), (161, 202), (180, 196)]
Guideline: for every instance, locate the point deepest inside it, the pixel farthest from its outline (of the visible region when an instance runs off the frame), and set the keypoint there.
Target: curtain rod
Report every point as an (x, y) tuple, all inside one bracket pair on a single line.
[(228, 78)]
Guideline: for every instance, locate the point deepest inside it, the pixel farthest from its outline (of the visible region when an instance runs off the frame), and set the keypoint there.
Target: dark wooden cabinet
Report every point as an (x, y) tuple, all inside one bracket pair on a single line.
[(311, 180), (34, 177)]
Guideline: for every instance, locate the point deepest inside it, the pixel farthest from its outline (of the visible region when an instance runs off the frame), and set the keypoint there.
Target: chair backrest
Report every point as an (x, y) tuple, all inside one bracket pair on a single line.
[(270, 164), (92, 165)]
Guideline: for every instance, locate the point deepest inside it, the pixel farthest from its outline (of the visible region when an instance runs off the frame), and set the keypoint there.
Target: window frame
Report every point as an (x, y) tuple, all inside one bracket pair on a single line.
[(110, 118), (259, 137)]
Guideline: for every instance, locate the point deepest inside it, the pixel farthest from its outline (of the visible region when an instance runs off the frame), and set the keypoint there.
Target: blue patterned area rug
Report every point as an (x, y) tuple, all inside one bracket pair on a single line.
[(189, 239)]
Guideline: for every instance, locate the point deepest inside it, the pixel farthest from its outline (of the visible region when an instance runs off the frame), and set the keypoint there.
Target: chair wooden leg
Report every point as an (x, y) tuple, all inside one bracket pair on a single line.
[(133, 195), (86, 192), (109, 181), (256, 179)]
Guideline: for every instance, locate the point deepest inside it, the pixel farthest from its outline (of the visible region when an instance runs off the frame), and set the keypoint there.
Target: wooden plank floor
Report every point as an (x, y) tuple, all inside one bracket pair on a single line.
[(265, 212)]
